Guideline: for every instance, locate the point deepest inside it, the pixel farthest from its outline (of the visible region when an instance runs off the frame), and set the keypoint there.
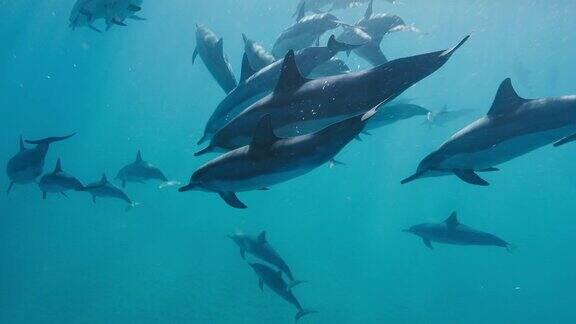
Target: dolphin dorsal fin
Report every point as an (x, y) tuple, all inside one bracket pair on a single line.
[(262, 238), (264, 136), (22, 148), (247, 70), (290, 76), (369, 10), (452, 220), (139, 156), (506, 100), (104, 179), (58, 167), (301, 11)]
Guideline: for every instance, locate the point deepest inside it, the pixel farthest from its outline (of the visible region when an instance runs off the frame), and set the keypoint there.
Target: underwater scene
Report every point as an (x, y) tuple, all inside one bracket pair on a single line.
[(281, 161)]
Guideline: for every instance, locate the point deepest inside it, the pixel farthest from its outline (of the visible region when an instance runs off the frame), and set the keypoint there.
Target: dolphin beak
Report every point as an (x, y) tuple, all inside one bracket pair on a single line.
[(451, 51), (412, 177), (188, 187), (208, 149)]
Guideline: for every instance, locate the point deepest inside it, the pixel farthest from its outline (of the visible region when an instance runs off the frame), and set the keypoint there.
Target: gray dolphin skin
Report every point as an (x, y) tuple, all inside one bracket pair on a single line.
[(258, 56), (317, 6), (445, 116), (27, 165), (106, 189), (392, 113), (86, 12), (261, 83), (368, 48), (451, 231), (140, 171), (513, 127), (304, 33), (259, 247), (58, 181), (333, 66), (300, 106), (273, 280), (270, 160), (211, 51)]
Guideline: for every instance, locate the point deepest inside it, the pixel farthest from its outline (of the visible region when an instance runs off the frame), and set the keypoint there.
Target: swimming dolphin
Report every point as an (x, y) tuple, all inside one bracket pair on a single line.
[(258, 56), (105, 188), (380, 25), (270, 160), (300, 106), (27, 165), (394, 112), (368, 48), (259, 247), (304, 33), (513, 127), (256, 85), (140, 171), (451, 231), (58, 181), (273, 280), (445, 116), (211, 51), (86, 12), (333, 66), (317, 6)]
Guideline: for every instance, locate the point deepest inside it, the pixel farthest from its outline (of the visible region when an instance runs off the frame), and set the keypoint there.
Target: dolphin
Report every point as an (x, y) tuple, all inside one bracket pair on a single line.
[(451, 231), (300, 106), (258, 56), (513, 127), (105, 188), (270, 160), (333, 66), (394, 112), (259, 247), (273, 280), (27, 165), (445, 116), (368, 48), (316, 6), (140, 171), (211, 51), (85, 12), (304, 33), (59, 181), (379, 25), (256, 85)]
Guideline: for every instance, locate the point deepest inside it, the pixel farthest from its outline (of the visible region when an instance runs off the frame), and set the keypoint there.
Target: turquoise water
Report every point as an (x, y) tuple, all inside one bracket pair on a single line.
[(169, 260)]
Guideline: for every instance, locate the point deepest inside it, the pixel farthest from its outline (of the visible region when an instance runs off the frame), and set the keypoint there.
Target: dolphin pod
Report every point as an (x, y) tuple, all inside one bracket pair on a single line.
[(299, 105), (86, 12), (512, 127)]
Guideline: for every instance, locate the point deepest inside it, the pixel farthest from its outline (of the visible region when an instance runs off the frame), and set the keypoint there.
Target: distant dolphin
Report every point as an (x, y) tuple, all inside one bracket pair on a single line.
[(270, 160), (105, 188), (300, 106), (211, 51), (257, 55), (394, 112), (273, 280), (334, 66), (27, 165), (513, 127), (140, 171), (445, 116), (259, 247), (368, 48), (58, 181), (317, 6), (256, 85), (304, 33), (451, 231), (86, 12)]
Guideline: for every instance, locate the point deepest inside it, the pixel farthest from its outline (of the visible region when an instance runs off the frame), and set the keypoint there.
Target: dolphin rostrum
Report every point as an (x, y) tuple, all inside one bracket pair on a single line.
[(256, 85), (27, 165), (451, 231), (260, 248), (273, 280), (140, 171), (105, 188), (513, 127), (211, 51), (258, 56), (270, 160), (300, 106), (59, 181)]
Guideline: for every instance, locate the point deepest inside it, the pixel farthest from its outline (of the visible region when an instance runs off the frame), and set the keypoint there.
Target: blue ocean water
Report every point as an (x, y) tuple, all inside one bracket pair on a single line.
[(170, 261)]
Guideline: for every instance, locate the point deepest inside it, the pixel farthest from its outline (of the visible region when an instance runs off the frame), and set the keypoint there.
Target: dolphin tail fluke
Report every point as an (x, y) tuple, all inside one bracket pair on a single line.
[(337, 46), (469, 176), (50, 140), (232, 200), (565, 140), (412, 177), (451, 51), (302, 313), (10, 187), (131, 206), (170, 183), (511, 248)]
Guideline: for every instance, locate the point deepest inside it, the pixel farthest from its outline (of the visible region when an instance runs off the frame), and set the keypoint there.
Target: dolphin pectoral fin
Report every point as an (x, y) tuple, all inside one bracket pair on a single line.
[(334, 163), (295, 283), (565, 140), (358, 138), (194, 55), (231, 199), (428, 243), (43, 195), (490, 169), (261, 284), (303, 312), (367, 133), (412, 177), (94, 28), (10, 187), (469, 176), (136, 17), (243, 254)]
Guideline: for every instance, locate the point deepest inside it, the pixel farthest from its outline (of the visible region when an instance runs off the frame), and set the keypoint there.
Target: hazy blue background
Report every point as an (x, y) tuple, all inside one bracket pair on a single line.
[(169, 261)]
